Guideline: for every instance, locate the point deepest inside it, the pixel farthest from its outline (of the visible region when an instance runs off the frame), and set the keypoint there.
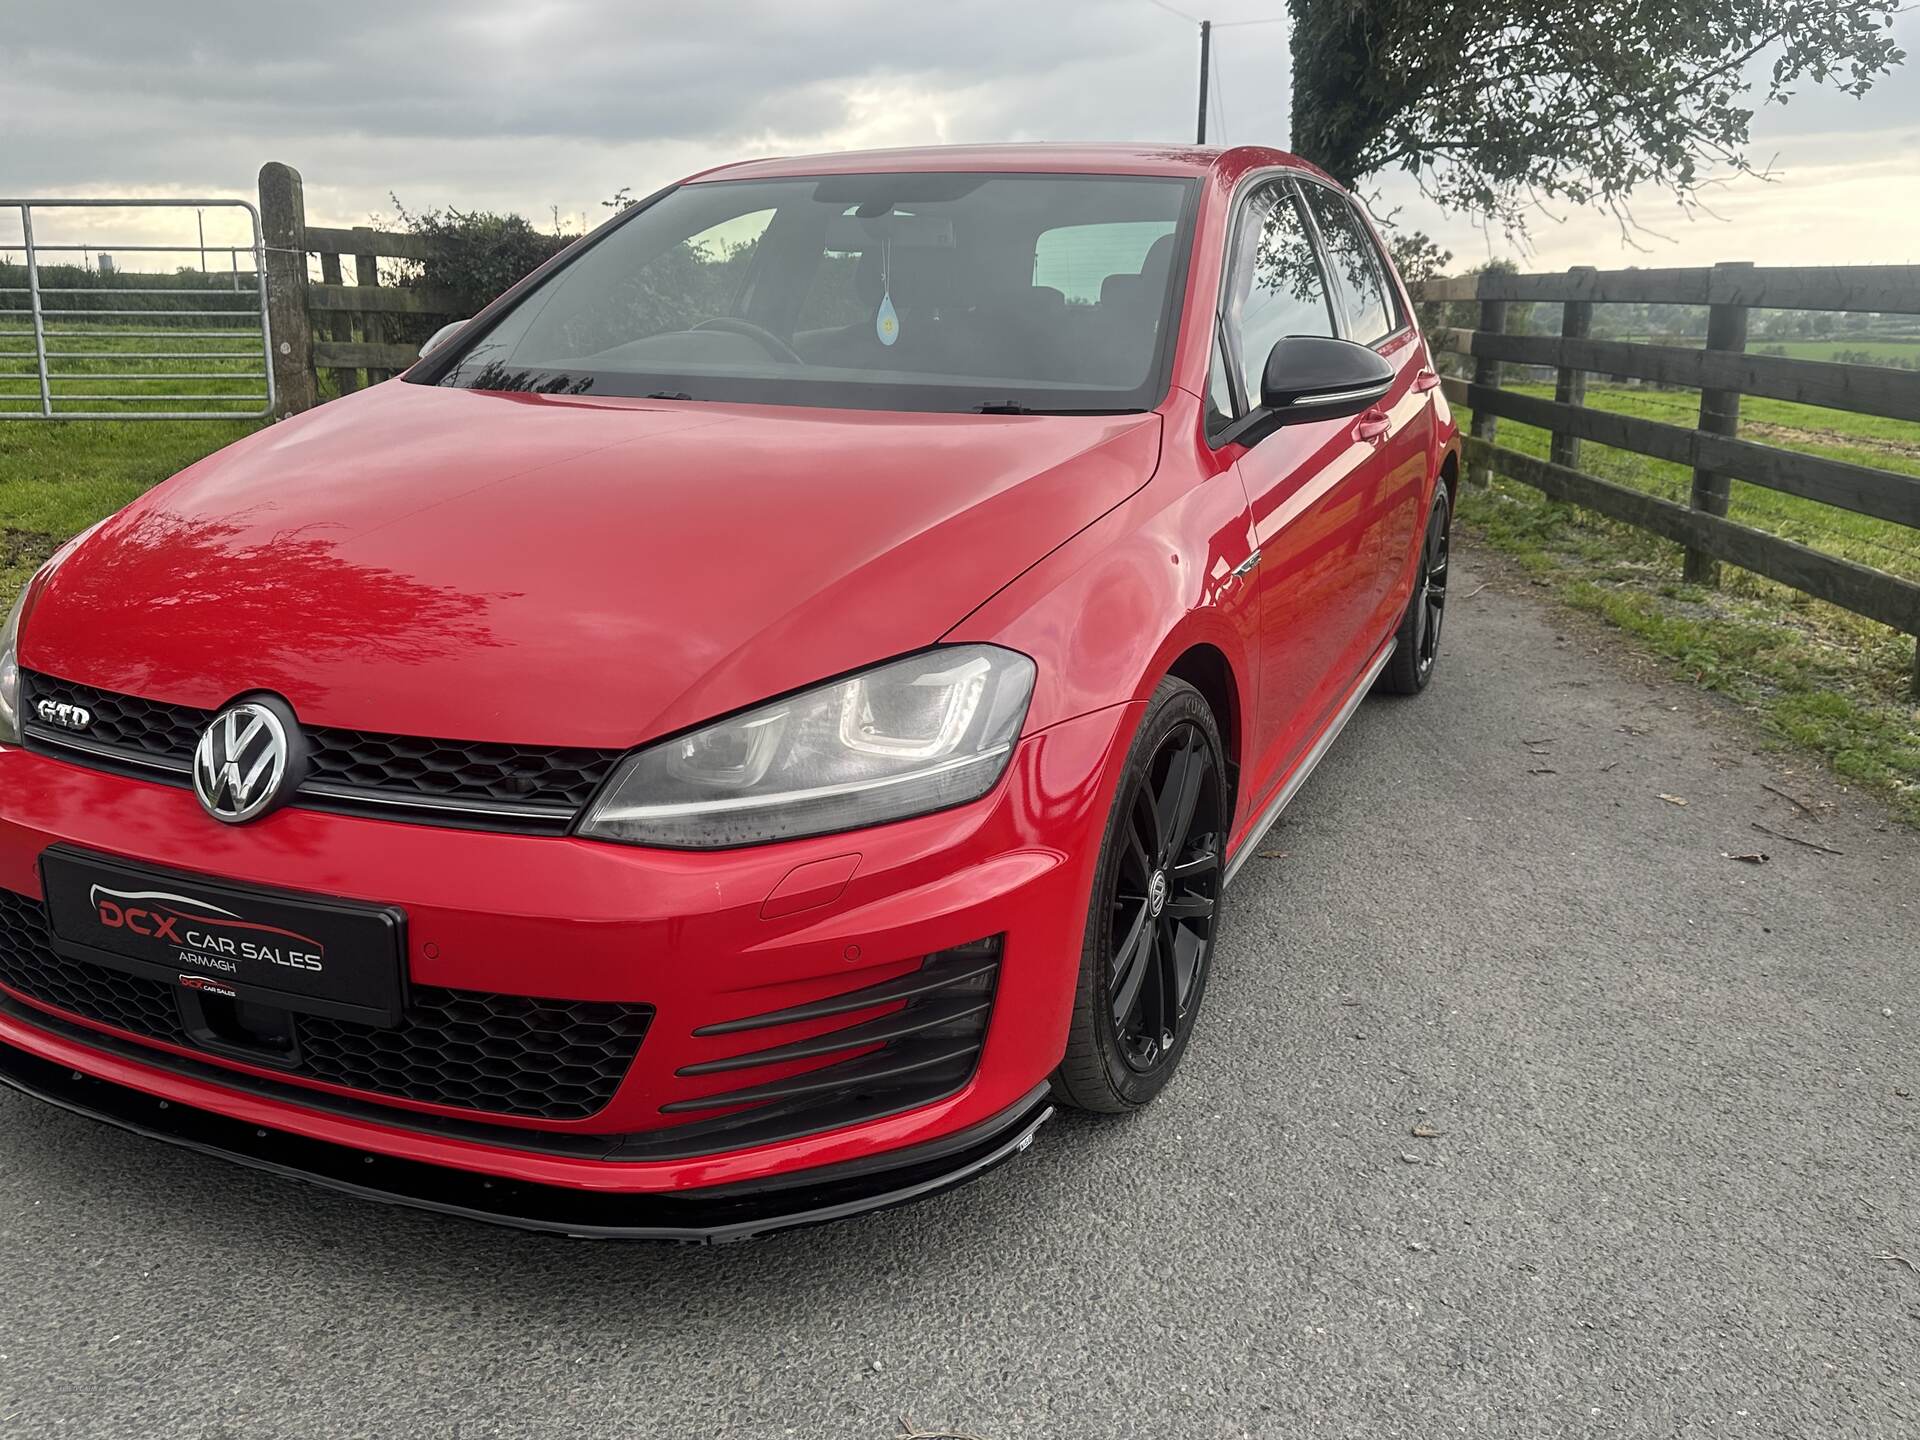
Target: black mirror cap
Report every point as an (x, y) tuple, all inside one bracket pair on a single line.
[(1314, 377)]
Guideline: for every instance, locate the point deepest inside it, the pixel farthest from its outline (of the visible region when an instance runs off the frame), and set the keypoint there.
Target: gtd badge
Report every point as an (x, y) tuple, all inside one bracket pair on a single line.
[(63, 716), (244, 764)]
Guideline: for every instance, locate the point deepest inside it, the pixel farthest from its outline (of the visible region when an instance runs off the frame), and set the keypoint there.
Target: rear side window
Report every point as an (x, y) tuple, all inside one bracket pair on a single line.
[(1365, 296), (1077, 260), (1275, 287)]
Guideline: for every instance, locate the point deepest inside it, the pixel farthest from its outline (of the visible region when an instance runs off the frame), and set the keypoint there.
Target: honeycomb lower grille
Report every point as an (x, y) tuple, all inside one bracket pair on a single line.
[(497, 1054), (516, 787)]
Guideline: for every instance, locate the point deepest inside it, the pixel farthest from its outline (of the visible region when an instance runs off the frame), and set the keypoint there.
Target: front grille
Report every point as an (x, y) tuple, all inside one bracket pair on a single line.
[(498, 1054), (509, 787), (905, 1042)]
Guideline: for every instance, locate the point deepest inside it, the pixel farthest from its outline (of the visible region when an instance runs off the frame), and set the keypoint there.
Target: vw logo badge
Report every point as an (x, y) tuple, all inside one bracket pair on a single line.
[(242, 763)]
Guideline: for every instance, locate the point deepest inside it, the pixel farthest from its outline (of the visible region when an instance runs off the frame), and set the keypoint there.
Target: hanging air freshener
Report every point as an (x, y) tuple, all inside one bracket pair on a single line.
[(886, 324)]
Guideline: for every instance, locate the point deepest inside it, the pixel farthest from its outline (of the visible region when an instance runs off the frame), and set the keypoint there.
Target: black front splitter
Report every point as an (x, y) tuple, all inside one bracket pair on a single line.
[(710, 1216)]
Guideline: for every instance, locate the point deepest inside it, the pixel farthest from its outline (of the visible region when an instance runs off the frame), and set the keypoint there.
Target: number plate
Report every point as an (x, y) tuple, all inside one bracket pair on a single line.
[(301, 953)]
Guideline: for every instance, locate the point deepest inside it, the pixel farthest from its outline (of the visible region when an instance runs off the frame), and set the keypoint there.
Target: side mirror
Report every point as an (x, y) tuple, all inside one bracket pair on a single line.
[(1315, 378), (1311, 377), (440, 337)]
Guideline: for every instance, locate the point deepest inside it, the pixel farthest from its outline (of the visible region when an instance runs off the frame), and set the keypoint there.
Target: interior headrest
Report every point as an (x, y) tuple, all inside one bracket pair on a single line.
[(1159, 260)]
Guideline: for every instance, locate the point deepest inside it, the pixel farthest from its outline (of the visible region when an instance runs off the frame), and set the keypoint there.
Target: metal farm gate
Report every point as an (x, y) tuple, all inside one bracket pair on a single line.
[(95, 329)]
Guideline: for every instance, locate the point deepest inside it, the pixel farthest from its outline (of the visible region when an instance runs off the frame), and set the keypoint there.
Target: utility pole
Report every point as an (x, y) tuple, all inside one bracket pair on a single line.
[(1206, 44)]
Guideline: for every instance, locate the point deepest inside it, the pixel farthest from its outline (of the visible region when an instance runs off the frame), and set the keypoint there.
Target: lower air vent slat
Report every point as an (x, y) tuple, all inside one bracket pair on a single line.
[(946, 971), (897, 1026), (879, 1068)]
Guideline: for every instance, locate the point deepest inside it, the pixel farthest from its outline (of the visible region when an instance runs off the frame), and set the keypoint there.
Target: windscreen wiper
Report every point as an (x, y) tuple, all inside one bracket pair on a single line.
[(1014, 407)]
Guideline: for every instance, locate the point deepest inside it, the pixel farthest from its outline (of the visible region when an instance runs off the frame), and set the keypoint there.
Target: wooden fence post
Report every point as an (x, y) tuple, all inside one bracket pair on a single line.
[(283, 229), (1570, 384), (1493, 320), (1719, 415), (339, 324), (366, 271)]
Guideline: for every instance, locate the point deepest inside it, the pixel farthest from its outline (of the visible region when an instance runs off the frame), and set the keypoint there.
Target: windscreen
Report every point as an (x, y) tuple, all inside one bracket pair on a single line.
[(904, 292)]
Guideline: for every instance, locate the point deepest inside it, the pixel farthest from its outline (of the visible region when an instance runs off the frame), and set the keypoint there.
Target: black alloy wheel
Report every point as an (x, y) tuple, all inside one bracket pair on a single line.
[(1419, 635), (1155, 907)]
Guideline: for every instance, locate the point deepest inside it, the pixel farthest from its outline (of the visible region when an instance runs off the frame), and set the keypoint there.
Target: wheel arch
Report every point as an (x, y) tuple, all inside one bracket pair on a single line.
[(1206, 667)]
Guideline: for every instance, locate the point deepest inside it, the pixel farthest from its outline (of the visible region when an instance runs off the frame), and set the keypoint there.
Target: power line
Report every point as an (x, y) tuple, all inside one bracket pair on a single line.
[(1217, 24), (1209, 67)]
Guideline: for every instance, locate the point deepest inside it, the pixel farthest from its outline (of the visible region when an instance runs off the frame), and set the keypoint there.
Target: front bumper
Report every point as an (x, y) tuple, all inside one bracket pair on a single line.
[(704, 939)]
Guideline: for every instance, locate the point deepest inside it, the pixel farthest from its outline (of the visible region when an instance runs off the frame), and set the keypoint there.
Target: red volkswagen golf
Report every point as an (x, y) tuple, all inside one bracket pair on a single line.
[(749, 723)]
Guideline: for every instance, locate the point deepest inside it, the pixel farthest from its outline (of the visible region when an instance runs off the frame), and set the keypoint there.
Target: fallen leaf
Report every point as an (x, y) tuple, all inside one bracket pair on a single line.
[(1543, 770), (1673, 800), (1757, 858), (1273, 854), (1427, 1132)]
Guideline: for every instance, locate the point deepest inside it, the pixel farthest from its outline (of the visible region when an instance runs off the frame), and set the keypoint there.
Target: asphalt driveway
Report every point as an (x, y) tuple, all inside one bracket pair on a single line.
[(1520, 1109)]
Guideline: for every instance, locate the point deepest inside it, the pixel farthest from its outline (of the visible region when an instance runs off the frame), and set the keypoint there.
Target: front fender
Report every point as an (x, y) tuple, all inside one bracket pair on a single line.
[(1106, 615)]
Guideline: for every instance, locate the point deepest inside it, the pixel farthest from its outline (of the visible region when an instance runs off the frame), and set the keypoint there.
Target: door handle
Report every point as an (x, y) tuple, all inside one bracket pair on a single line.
[(1373, 425), (1426, 380)]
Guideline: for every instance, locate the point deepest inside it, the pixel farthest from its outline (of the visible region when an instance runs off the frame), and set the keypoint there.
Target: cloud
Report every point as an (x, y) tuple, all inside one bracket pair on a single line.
[(544, 105)]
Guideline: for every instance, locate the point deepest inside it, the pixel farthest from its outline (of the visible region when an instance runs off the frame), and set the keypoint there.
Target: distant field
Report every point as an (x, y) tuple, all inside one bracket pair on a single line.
[(1900, 352), (1837, 434), (1905, 352)]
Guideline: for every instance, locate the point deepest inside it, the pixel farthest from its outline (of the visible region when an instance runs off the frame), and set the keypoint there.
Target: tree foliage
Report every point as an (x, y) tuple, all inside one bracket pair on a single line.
[(478, 255), (1497, 106)]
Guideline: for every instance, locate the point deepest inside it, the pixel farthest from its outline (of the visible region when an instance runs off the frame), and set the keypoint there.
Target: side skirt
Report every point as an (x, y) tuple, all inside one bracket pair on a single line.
[(1311, 759)]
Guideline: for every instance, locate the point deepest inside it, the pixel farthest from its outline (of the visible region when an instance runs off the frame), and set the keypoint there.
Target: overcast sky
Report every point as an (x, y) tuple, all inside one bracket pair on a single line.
[(536, 104)]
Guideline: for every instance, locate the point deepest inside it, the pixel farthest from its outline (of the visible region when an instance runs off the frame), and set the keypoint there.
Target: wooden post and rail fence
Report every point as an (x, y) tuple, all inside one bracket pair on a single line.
[(1723, 371), (330, 325)]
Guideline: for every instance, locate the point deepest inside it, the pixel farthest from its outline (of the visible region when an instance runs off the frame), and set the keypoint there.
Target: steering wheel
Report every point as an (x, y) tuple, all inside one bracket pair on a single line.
[(771, 342)]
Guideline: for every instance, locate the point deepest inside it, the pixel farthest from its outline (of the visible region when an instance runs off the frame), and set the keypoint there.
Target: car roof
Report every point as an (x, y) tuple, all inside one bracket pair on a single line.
[(1092, 157)]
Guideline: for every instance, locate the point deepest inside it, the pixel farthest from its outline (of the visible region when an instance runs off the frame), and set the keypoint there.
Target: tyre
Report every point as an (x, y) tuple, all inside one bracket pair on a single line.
[(1154, 910), (1411, 667)]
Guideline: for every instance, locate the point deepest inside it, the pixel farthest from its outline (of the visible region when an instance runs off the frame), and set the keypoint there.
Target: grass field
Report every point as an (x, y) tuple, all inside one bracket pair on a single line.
[(1902, 353)]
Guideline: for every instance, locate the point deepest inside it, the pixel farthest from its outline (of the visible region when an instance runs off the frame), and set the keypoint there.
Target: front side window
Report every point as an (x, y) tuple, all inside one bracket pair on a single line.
[(1274, 288), (910, 292), (1365, 296)]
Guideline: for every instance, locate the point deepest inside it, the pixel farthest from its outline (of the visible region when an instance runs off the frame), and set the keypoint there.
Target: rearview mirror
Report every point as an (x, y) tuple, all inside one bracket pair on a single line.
[(440, 337)]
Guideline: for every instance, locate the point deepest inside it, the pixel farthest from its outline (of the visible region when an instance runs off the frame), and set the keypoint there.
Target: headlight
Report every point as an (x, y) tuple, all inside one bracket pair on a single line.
[(919, 734), (10, 673)]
